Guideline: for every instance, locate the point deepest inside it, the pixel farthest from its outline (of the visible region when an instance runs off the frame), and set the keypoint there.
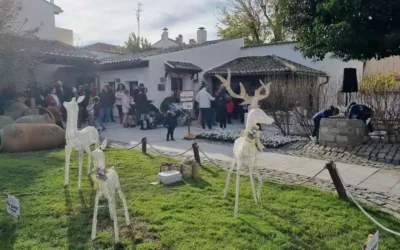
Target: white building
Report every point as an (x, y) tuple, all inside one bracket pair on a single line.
[(166, 71), (55, 56)]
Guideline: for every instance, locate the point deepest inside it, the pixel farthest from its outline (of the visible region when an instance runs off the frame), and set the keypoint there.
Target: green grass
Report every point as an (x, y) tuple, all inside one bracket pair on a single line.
[(191, 215)]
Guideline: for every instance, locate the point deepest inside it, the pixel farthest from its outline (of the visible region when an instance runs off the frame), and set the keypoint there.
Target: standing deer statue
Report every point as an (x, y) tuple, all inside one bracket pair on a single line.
[(79, 140), (245, 147), (106, 184)]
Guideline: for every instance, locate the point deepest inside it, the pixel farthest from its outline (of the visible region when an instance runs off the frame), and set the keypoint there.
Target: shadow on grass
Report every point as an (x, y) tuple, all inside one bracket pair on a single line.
[(210, 171), (79, 222), (7, 232)]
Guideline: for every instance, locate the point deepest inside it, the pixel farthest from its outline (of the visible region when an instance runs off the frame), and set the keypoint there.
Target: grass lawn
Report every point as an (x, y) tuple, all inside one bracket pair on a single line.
[(191, 215)]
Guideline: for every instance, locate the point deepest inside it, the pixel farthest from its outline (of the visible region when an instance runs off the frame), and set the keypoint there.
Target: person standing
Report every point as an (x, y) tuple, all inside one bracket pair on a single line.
[(142, 107), (125, 105), (204, 99), (221, 101), (229, 110), (119, 94), (82, 106), (98, 116), (331, 111), (54, 106), (64, 94), (171, 122), (107, 102), (93, 90)]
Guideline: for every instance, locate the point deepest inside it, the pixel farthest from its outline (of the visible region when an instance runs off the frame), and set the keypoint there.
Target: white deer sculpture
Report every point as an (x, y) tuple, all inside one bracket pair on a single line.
[(107, 184), (245, 147), (79, 140)]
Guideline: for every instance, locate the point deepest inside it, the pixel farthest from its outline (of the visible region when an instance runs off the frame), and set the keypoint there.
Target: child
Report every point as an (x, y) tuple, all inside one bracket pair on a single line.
[(132, 114), (332, 111), (171, 122), (90, 110), (126, 107), (97, 113), (229, 109)]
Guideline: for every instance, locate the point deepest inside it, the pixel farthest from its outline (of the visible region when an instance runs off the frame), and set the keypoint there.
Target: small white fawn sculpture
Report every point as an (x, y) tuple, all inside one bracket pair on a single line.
[(245, 147), (107, 184), (79, 140)]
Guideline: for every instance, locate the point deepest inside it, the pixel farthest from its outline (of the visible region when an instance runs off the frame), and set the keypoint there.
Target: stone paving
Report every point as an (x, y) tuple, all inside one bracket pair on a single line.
[(371, 154), (386, 201)]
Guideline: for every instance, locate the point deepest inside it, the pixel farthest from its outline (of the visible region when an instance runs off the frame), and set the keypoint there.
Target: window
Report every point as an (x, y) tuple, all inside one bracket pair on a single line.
[(161, 87)]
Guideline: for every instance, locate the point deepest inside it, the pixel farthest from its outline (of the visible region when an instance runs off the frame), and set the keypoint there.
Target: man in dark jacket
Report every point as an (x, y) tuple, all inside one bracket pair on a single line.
[(142, 107), (331, 111), (221, 101), (107, 102), (361, 112)]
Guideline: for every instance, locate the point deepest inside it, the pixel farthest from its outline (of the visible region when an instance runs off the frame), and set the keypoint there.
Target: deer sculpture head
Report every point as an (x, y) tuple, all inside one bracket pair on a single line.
[(99, 159), (255, 115), (72, 106)]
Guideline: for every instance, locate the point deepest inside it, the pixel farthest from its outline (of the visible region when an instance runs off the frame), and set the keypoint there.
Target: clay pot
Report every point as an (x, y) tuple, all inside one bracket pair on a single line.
[(56, 113), (5, 120), (36, 119), (17, 110), (25, 137)]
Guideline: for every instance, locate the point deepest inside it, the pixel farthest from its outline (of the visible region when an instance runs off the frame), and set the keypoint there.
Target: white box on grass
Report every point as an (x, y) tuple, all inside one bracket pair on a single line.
[(169, 177)]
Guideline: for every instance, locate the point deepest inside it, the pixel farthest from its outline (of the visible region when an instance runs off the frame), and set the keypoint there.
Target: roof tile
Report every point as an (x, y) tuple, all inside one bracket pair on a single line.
[(257, 65)]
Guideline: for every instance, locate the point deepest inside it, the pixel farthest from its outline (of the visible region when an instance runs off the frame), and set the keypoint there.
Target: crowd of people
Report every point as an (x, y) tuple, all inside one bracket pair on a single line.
[(214, 108), (96, 109)]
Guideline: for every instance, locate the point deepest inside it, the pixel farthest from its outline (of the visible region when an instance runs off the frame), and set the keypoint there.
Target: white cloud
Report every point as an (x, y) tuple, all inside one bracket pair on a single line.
[(112, 21)]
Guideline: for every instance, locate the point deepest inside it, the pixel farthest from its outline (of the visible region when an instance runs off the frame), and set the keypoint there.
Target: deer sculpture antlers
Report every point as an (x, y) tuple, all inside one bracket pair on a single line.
[(252, 100)]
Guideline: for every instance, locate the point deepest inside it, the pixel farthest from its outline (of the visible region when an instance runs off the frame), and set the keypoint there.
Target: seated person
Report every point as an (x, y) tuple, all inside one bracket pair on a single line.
[(331, 111), (361, 112)]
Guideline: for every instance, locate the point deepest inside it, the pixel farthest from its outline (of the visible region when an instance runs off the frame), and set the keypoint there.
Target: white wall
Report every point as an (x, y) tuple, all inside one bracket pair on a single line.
[(333, 67), (65, 36), (127, 75), (164, 43), (206, 57), (40, 14)]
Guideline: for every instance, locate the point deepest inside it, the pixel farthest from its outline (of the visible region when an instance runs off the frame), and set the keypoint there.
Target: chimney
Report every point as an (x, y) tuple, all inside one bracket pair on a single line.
[(165, 34), (192, 41), (179, 39), (201, 35)]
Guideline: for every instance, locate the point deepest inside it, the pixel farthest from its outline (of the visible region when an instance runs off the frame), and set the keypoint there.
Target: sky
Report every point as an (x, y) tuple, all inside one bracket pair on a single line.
[(111, 21)]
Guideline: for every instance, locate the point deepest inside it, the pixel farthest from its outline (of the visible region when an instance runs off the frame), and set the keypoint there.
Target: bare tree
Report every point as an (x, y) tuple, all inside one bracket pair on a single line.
[(17, 56)]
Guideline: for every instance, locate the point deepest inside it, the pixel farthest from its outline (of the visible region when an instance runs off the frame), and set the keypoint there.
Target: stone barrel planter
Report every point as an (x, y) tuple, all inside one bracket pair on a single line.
[(5, 120), (342, 132), (25, 137)]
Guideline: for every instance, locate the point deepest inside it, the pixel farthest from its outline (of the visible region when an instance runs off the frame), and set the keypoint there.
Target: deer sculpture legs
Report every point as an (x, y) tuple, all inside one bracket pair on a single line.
[(113, 213), (68, 152), (257, 196)]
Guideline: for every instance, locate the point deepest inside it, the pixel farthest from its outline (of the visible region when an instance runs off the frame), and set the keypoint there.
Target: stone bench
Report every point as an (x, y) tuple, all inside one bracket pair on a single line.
[(342, 132)]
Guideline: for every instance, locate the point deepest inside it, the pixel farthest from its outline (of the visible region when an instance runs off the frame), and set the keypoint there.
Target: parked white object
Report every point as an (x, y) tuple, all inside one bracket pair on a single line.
[(169, 177), (79, 140), (107, 184), (245, 147)]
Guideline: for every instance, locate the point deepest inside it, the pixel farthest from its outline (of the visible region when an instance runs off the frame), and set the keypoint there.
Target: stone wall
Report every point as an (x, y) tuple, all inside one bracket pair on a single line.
[(342, 132)]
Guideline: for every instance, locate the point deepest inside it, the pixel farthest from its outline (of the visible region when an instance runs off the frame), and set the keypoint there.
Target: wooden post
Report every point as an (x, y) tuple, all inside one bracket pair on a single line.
[(331, 166), (196, 153), (144, 145)]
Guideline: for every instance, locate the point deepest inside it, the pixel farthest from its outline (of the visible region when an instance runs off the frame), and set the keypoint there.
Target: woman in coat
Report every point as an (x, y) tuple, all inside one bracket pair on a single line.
[(119, 94), (125, 106)]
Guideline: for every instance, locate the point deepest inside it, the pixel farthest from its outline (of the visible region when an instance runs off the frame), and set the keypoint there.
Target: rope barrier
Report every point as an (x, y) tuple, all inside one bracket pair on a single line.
[(161, 153), (304, 182), (365, 212), (133, 147), (216, 165)]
